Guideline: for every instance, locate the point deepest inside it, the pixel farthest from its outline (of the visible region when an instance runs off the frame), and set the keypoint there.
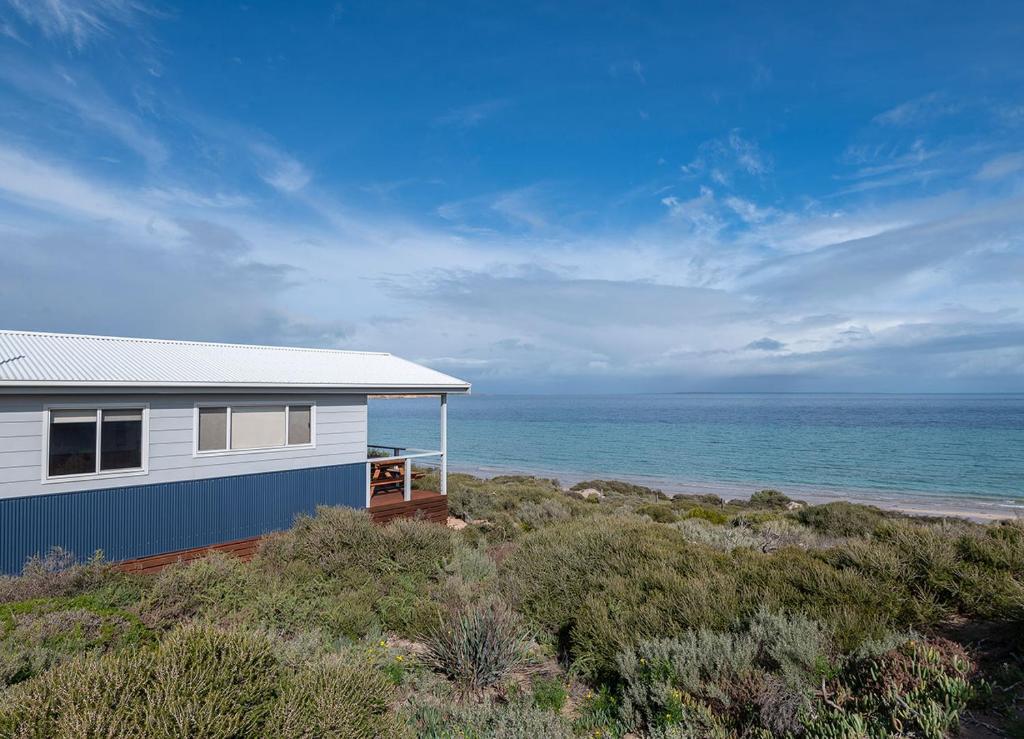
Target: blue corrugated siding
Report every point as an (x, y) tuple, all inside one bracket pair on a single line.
[(141, 520)]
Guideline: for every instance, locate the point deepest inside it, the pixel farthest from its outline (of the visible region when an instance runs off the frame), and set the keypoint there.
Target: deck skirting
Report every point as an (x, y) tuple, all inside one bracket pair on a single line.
[(430, 506)]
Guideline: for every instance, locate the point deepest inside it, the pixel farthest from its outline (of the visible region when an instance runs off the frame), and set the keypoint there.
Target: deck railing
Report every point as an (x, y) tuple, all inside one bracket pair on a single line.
[(404, 455)]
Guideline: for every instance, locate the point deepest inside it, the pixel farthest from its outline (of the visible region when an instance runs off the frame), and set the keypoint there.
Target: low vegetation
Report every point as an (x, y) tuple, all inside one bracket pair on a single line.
[(606, 610)]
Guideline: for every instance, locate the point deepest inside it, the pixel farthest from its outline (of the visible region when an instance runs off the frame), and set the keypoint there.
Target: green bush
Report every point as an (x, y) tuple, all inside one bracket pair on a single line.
[(492, 719), (762, 677), (477, 645), (208, 681), (842, 518), (659, 512), (334, 698), (917, 689), (707, 514), (200, 681), (599, 585), (549, 694), (619, 488), (85, 696), (535, 515), (55, 575), (36, 634), (770, 499)]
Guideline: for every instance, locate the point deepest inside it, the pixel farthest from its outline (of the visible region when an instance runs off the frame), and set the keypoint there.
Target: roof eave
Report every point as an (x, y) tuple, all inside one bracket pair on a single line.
[(10, 387)]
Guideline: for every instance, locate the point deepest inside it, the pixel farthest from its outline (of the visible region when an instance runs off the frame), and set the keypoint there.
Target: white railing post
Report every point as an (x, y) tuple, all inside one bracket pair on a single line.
[(444, 444), (369, 481), (408, 479)]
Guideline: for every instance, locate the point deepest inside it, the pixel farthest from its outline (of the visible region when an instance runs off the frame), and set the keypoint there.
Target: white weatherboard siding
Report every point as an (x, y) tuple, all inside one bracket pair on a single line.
[(340, 428)]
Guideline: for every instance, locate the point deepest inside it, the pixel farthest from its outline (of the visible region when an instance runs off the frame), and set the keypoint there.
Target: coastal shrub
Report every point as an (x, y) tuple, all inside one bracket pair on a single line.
[(516, 719), (208, 681), (39, 633), (477, 645), (343, 543), (724, 538), (185, 589), (549, 693), (618, 487), (199, 681), (474, 499), (770, 499), (917, 689), (334, 697), (470, 566), (975, 574), (842, 518), (86, 696), (708, 514), (535, 515), (57, 574), (658, 512), (598, 585), (760, 677)]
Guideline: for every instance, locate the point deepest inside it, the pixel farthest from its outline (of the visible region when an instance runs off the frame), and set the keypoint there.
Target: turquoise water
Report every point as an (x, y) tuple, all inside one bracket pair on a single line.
[(952, 446)]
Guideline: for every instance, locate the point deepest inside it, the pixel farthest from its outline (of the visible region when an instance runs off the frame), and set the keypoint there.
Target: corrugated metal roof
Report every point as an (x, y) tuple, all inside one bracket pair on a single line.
[(29, 358)]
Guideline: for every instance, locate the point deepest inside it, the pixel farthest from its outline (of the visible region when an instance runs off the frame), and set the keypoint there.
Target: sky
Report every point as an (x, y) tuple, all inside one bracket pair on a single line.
[(536, 197)]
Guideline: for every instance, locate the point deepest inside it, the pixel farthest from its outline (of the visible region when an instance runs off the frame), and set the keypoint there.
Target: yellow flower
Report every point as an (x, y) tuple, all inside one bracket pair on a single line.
[(399, 657), (383, 643)]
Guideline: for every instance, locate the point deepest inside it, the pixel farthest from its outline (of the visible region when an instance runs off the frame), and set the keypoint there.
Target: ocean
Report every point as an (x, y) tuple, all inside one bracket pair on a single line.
[(936, 451)]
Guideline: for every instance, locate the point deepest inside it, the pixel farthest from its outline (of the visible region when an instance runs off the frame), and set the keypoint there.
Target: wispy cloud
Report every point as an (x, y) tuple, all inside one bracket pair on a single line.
[(79, 21), (918, 110), (78, 94), (470, 116), (723, 159), (1001, 166)]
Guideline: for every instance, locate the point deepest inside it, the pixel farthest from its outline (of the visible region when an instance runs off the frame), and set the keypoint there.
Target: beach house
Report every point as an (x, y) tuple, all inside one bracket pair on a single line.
[(153, 450)]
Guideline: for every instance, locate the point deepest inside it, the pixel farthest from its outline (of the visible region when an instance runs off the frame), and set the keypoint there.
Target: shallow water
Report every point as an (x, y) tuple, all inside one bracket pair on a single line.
[(954, 447)]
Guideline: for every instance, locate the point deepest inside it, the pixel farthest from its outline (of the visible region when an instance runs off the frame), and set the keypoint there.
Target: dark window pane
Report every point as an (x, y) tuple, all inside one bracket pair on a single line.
[(213, 429), (298, 424), (121, 440), (72, 443)]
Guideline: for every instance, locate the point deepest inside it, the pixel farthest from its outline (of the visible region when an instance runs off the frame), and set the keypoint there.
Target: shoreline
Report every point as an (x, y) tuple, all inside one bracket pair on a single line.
[(911, 503)]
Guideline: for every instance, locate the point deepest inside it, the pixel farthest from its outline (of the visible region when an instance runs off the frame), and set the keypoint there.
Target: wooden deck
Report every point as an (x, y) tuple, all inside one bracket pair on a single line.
[(388, 506)]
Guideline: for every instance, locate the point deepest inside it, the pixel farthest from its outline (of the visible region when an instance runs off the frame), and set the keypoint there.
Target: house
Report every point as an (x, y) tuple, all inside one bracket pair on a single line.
[(150, 450)]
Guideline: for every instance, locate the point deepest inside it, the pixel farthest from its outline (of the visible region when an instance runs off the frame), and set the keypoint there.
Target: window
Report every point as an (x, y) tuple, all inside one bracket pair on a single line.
[(213, 429), (253, 427), (92, 441)]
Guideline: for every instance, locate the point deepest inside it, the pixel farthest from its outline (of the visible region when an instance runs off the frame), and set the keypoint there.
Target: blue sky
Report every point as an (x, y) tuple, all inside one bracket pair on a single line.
[(536, 197)]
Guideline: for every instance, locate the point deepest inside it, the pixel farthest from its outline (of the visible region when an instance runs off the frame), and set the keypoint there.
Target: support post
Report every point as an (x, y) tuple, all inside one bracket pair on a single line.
[(408, 480), (369, 480), (444, 444)]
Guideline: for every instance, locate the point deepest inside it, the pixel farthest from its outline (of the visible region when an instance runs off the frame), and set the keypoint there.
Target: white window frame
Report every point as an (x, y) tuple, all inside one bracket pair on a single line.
[(249, 403), (101, 474)]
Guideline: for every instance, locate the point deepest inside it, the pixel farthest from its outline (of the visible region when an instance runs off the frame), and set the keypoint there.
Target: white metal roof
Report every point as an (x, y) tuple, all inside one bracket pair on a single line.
[(31, 359)]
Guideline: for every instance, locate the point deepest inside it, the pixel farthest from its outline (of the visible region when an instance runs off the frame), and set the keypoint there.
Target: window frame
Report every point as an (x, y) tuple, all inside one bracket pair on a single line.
[(47, 479), (196, 452)]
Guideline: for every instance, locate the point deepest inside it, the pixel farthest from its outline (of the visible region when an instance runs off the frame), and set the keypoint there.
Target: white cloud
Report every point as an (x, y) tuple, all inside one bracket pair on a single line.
[(78, 94), (470, 116), (918, 110), (78, 21), (1000, 167), (281, 171)]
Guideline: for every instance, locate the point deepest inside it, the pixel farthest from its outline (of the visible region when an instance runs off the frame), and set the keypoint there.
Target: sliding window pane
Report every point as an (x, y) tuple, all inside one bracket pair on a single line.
[(213, 429), (299, 424), (121, 440), (257, 426), (72, 442)]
